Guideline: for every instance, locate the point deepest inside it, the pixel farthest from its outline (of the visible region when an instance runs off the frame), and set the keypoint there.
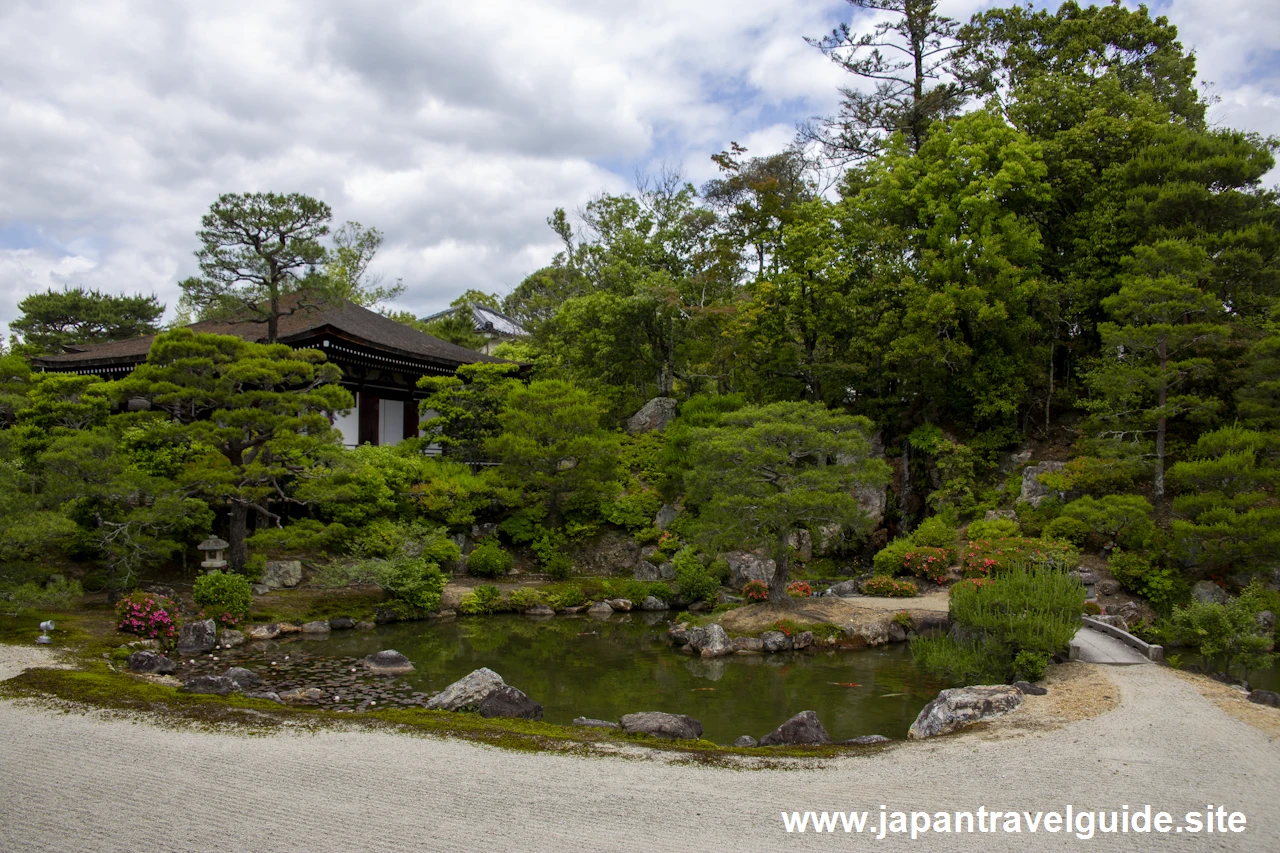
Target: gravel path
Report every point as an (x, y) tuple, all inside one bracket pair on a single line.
[(71, 782)]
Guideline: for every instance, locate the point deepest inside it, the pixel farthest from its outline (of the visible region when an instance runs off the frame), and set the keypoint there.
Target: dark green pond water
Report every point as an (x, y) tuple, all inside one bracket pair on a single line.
[(579, 666)]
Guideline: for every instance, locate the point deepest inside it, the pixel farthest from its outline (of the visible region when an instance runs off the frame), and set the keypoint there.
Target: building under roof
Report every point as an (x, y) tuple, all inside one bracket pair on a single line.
[(495, 326), (381, 362)]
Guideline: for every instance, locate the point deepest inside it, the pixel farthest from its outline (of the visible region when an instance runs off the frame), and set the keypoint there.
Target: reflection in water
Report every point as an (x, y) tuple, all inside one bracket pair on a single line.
[(604, 668)]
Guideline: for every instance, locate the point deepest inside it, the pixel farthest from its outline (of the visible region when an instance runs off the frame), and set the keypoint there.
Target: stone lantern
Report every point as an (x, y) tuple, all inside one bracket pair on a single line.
[(213, 548)]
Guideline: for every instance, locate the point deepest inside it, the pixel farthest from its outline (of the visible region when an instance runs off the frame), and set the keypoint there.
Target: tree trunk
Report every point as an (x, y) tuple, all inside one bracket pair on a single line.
[(1048, 398), (236, 535), (1162, 397), (781, 574)]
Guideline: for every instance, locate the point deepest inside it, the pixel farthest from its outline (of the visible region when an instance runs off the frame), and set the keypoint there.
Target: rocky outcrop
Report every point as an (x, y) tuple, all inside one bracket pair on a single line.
[(660, 724), (468, 692), (198, 637), (650, 572), (666, 514), (803, 728), (745, 566), (1208, 592), (151, 663), (282, 573), (388, 662), (218, 685), (964, 706), (608, 553), (652, 417), (1033, 491), (507, 701), (801, 543)]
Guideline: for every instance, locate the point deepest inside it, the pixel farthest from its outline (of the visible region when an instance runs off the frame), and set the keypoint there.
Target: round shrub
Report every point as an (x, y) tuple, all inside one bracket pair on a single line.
[(418, 583), (223, 597), (692, 578), (799, 589), (890, 559), (147, 615), (489, 560), (755, 591), (1030, 666), (483, 599), (1064, 528), (928, 563), (996, 528), (933, 532), (522, 599), (889, 588)]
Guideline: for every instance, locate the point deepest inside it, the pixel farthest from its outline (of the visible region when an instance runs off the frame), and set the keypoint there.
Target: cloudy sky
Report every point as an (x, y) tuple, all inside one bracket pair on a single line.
[(455, 128)]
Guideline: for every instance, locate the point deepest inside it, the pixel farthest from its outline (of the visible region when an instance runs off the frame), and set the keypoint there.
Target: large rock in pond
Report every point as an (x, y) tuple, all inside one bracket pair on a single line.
[(263, 632), (964, 706), (342, 623), (803, 728), (152, 663), (745, 740), (652, 417), (710, 641), (243, 677), (320, 626), (507, 701), (600, 608), (621, 605), (775, 641), (218, 685), (388, 662), (660, 724), (1033, 491), (229, 638), (282, 573), (745, 566), (198, 637), (468, 692), (748, 645), (652, 604), (539, 610)]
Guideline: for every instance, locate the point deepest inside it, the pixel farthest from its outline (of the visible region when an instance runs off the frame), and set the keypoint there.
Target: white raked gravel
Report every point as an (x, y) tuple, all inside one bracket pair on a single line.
[(73, 782)]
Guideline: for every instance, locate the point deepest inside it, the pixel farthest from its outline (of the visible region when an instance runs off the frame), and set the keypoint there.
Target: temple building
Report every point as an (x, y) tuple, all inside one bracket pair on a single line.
[(381, 362), (494, 326)]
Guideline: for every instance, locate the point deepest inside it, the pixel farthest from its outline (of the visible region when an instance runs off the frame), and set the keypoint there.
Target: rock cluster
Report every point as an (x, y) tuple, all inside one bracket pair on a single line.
[(484, 691)]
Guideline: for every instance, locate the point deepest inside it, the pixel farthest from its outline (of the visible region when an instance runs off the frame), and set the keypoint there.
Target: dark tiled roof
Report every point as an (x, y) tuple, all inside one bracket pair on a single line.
[(346, 321)]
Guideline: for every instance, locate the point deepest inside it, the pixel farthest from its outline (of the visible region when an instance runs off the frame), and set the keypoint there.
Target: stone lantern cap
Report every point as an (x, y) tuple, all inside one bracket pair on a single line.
[(213, 543)]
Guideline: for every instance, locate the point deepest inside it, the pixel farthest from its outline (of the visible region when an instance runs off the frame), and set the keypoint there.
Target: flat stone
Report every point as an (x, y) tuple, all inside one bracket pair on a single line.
[(964, 706), (289, 628), (507, 701), (151, 663), (259, 588), (303, 694), (197, 637), (342, 623), (229, 638), (269, 695), (803, 728), (467, 692), (320, 626), (865, 740), (746, 740), (282, 573), (263, 632), (388, 662), (661, 724), (573, 611), (622, 605), (243, 677), (217, 685), (539, 610), (365, 625), (589, 723), (1265, 697), (1026, 688)]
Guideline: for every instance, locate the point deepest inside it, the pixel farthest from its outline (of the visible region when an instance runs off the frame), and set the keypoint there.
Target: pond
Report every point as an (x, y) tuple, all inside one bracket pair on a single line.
[(579, 666)]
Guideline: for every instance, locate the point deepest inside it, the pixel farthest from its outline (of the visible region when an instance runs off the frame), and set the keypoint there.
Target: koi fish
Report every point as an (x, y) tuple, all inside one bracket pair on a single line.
[(587, 633), (705, 688), (889, 695), (845, 683)]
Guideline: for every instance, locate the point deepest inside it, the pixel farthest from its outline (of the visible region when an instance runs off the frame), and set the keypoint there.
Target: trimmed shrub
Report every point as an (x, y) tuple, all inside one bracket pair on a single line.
[(1124, 520), (1030, 666), (755, 591), (225, 598), (489, 560), (482, 600), (928, 563), (799, 589), (934, 532), (986, 557), (889, 560), (1160, 585), (522, 599), (889, 588), (417, 582), (693, 580), (997, 528), (1067, 529), (569, 596), (147, 615), (58, 594)]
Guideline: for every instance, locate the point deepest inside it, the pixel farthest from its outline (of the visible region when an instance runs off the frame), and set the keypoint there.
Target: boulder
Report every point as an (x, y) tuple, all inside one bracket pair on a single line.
[(845, 589), (269, 695), (660, 724), (243, 677), (621, 605), (320, 626), (388, 662), (589, 723), (964, 706), (468, 692), (218, 685), (540, 610), (1000, 515), (653, 604), (483, 531), (745, 566), (151, 663), (572, 611), (600, 608), (1108, 587), (282, 573), (802, 640), (775, 641), (865, 740), (366, 625), (710, 641), (748, 645), (1033, 491), (263, 632), (652, 417), (342, 623), (197, 637), (746, 740), (868, 633), (678, 633), (259, 588), (303, 694), (385, 616), (608, 552), (895, 632), (926, 623), (1265, 697), (289, 628), (507, 701), (1026, 688), (1208, 592), (1266, 620), (665, 516), (698, 607), (229, 638), (803, 728)]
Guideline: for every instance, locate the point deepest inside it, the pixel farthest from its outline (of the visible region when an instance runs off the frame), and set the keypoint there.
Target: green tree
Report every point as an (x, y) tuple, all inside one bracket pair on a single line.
[(56, 319), (464, 410), (346, 270), (261, 411), (256, 250), (553, 448), (1227, 635), (766, 472)]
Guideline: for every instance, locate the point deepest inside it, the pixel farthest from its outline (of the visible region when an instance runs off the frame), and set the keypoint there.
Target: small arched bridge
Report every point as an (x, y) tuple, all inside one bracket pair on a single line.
[(1099, 642)]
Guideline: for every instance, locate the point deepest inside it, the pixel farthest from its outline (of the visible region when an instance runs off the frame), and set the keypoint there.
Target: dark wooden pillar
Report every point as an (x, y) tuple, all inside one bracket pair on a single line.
[(368, 415), (411, 418)]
